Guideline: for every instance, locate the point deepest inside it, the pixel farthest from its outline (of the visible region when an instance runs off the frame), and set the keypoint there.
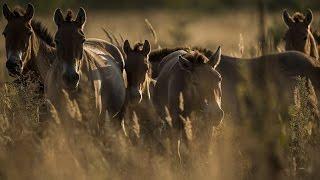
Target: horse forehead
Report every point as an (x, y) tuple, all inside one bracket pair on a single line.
[(206, 72), (18, 25), (136, 60), (68, 31), (297, 32), (299, 26)]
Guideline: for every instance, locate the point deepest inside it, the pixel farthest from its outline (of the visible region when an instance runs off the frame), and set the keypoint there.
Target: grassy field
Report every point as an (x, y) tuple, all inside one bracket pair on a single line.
[(285, 150)]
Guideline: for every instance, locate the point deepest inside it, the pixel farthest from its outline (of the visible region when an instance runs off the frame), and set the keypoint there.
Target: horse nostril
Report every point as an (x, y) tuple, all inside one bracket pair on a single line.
[(75, 77), (135, 96), (71, 78), (10, 64)]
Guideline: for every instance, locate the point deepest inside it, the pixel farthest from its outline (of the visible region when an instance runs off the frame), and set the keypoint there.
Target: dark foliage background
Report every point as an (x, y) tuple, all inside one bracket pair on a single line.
[(198, 5)]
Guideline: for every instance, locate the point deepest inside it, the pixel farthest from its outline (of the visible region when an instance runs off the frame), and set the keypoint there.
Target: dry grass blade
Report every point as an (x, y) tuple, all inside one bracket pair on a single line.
[(108, 34), (117, 43), (122, 39), (113, 39), (153, 32)]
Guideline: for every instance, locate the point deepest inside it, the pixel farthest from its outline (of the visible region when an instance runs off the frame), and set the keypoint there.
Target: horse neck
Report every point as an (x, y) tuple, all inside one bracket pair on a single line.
[(87, 66), (313, 46), (40, 58)]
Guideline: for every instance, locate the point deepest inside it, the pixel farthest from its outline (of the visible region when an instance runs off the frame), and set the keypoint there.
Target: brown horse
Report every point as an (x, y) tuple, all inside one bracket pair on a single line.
[(30, 50), (286, 67), (136, 66), (298, 36), (316, 35), (139, 106), (187, 84), (29, 46), (85, 70)]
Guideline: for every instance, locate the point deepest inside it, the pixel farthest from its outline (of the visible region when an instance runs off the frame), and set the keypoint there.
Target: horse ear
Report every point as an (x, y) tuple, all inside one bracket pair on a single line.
[(6, 12), (309, 17), (214, 60), (184, 63), (126, 47), (58, 17), (146, 48), (81, 17), (287, 18), (29, 12)]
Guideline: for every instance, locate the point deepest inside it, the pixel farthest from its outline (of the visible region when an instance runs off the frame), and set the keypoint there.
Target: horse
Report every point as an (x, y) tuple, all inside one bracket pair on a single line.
[(188, 84), (286, 67), (139, 106), (30, 49), (316, 35), (84, 69), (298, 36)]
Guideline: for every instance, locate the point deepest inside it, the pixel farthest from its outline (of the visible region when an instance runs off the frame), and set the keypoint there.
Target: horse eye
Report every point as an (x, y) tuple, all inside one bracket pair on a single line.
[(84, 40), (305, 38), (4, 34)]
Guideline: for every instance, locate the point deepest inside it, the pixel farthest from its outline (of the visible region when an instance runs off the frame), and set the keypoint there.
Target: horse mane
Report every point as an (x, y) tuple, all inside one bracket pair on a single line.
[(158, 55), (138, 47), (206, 52), (298, 17), (316, 35), (39, 29), (43, 33), (196, 57), (69, 16)]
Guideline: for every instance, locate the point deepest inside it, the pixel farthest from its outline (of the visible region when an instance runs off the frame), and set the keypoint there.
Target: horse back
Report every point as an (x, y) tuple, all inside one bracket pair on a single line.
[(106, 77), (104, 48)]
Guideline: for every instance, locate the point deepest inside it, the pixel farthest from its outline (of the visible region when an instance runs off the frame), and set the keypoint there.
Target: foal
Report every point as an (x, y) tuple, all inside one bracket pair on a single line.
[(139, 91), (298, 36), (29, 47)]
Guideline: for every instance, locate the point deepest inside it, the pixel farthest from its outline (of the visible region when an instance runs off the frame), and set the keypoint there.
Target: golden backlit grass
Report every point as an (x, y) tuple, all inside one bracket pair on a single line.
[(67, 148)]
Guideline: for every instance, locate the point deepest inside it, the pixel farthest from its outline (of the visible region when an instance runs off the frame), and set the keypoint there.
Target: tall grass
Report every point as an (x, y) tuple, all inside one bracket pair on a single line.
[(265, 146)]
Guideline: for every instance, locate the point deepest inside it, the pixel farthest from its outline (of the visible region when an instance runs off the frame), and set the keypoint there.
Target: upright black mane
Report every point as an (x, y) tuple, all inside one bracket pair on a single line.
[(155, 57), (298, 17), (138, 47), (158, 55), (206, 52), (196, 57), (43, 33)]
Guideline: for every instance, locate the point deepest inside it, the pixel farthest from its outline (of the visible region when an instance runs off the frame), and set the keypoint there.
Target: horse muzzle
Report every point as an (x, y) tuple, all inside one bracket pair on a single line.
[(71, 81), (135, 96), (14, 66), (214, 114)]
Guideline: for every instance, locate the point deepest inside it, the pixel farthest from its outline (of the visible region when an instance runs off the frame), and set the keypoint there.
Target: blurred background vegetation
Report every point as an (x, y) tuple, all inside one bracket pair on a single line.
[(197, 5)]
